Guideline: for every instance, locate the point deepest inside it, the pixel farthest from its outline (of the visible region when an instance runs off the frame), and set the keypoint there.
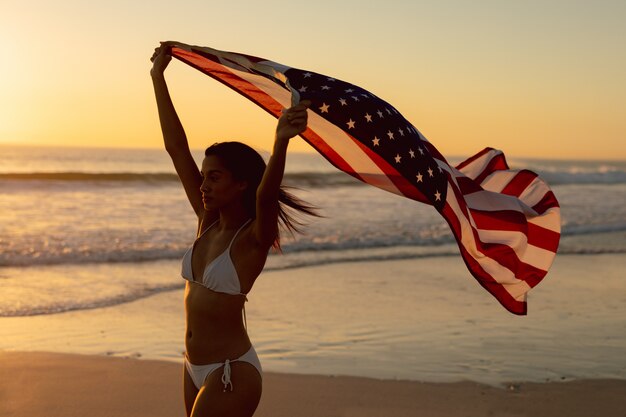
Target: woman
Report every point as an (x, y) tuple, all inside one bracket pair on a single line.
[(238, 203)]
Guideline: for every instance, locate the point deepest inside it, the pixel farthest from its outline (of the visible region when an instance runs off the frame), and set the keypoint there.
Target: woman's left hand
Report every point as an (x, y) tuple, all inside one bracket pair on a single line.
[(293, 121)]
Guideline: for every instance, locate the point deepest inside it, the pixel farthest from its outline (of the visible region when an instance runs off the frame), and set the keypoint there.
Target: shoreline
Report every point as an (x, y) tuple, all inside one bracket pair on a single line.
[(384, 332), (62, 384)]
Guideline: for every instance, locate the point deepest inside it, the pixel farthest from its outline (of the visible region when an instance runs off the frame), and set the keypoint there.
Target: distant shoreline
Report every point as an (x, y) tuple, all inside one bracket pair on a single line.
[(452, 158)]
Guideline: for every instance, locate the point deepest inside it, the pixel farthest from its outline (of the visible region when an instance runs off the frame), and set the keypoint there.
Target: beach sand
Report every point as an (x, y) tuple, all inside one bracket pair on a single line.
[(59, 384), (566, 358), (413, 319)]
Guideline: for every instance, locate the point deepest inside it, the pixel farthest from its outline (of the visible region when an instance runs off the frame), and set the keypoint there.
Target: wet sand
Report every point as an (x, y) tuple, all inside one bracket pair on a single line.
[(421, 319), (58, 384)]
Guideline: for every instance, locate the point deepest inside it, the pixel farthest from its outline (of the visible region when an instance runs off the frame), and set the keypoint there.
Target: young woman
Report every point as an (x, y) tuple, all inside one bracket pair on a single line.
[(239, 202)]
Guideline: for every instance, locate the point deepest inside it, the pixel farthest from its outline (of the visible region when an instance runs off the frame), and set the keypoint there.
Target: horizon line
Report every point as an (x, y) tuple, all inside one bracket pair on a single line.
[(312, 151)]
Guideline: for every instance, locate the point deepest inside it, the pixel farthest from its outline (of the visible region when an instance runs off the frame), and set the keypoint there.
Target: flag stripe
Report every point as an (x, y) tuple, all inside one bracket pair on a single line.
[(519, 183), (506, 256), (549, 220), (484, 278), (530, 263), (498, 180), (466, 165), (496, 163), (547, 202), (231, 80), (543, 238), (468, 186), (508, 220)]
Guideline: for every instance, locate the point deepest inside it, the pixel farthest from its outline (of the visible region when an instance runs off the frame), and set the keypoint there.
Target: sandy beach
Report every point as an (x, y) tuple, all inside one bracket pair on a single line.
[(418, 319), (404, 348), (471, 360), (56, 384)]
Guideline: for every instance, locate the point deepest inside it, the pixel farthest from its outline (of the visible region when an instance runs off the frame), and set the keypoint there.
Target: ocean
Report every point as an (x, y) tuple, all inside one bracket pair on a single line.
[(79, 225)]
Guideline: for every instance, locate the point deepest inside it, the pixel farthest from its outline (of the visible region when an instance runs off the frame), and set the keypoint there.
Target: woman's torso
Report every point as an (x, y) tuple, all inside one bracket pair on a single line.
[(215, 328)]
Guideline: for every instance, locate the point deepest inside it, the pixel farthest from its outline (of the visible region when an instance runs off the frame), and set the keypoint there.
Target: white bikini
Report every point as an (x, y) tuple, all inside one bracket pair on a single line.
[(220, 276)]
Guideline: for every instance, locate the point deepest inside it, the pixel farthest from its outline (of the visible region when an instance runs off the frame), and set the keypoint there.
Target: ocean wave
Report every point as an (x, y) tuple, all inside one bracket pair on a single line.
[(78, 256), (88, 176), (305, 254), (60, 307), (298, 179), (602, 174), (591, 177), (275, 263), (592, 229)]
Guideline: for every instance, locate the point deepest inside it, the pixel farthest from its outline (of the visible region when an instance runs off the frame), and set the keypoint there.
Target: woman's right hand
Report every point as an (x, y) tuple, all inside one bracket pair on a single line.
[(161, 58)]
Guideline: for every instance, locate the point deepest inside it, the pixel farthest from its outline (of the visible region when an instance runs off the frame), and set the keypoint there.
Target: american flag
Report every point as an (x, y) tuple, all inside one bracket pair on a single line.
[(506, 222)]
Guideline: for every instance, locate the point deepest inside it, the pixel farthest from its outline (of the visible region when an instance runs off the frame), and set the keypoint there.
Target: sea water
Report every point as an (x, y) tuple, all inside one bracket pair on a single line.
[(75, 223)]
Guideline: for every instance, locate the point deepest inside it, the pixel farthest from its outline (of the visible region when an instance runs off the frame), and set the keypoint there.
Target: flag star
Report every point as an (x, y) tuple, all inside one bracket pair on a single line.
[(349, 90), (375, 141), (307, 74), (324, 108), (421, 151), (401, 132), (397, 158), (430, 172), (302, 89), (355, 98), (419, 177), (390, 134), (388, 111), (351, 124), (330, 79), (343, 101), (365, 95), (380, 114), (368, 117), (437, 196), (411, 153), (325, 87)]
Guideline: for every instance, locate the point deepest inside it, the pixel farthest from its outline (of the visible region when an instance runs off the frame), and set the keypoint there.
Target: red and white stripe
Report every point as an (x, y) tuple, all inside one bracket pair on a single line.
[(507, 223)]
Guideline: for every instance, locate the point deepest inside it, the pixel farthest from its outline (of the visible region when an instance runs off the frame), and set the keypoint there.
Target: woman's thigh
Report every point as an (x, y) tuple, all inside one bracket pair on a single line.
[(242, 401), (189, 391)]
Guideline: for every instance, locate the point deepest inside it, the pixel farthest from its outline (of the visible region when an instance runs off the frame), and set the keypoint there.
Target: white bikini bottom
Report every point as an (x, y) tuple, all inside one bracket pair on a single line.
[(199, 373)]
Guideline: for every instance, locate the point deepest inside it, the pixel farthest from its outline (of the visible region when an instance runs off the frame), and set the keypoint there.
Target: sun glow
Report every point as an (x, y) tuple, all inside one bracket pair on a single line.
[(77, 73)]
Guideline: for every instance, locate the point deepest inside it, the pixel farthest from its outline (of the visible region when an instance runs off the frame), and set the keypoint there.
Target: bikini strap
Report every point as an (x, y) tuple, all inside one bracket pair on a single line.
[(208, 228), (236, 233)]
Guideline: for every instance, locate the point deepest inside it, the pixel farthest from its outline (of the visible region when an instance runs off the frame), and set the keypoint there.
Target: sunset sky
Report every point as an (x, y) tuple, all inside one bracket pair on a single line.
[(533, 78)]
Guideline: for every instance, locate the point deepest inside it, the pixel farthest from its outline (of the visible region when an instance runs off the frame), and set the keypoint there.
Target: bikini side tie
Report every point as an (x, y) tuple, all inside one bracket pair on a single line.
[(226, 376)]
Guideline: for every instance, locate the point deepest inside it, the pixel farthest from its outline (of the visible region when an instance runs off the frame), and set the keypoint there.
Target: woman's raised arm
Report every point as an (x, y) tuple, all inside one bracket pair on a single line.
[(291, 123), (174, 135)]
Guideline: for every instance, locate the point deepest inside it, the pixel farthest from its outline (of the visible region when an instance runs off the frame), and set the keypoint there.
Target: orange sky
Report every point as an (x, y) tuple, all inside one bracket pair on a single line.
[(534, 78)]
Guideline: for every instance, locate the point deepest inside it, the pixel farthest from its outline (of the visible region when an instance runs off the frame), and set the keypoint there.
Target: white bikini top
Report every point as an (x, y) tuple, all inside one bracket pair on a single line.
[(220, 274)]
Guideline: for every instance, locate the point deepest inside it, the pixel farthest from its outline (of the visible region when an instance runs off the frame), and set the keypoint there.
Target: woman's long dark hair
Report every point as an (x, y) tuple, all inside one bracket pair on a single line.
[(248, 165)]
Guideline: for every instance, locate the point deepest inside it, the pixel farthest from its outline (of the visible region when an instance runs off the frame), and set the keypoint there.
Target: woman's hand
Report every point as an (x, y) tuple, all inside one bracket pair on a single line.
[(293, 121), (160, 58)]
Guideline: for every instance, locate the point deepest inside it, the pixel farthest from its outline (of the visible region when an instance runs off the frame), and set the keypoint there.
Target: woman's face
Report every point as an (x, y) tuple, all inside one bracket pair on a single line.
[(219, 188)]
